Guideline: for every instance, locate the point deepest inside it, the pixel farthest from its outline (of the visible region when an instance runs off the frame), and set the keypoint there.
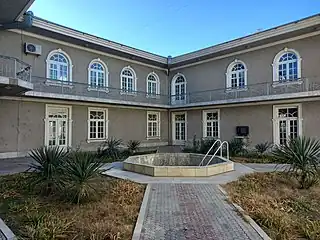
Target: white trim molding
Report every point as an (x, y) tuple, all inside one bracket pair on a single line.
[(105, 121), (134, 80), (69, 65), (204, 122), (156, 77), (229, 75), (275, 64), (105, 72), (158, 122), (173, 123), (276, 120), (173, 89), (68, 119)]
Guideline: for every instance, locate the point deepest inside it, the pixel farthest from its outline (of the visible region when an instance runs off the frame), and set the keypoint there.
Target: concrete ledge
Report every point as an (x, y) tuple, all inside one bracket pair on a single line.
[(253, 224), (147, 167), (5, 232), (142, 213)]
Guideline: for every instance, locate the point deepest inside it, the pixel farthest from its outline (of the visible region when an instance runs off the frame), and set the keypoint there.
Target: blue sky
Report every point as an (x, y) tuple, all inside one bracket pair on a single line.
[(173, 27)]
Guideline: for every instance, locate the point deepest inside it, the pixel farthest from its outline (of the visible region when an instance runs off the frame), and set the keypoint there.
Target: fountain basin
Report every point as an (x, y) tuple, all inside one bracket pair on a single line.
[(177, 165)]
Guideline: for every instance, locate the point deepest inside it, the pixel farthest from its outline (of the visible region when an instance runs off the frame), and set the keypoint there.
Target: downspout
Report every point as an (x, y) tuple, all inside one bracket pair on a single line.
[(26, 23), (169, 61)]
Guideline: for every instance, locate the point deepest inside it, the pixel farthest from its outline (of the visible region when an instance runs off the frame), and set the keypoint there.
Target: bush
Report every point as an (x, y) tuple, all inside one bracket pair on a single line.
[(262, 147), (303, 156), (236, 147), (79, 171), (49, 165), (110, 148), (133, 145)]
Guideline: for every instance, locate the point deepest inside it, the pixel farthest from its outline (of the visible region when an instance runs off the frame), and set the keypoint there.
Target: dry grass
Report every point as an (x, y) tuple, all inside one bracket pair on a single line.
[(276, 203), (109, 215)]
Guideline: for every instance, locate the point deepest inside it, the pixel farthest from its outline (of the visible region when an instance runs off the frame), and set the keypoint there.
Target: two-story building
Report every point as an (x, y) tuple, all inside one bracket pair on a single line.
[(62, 87)]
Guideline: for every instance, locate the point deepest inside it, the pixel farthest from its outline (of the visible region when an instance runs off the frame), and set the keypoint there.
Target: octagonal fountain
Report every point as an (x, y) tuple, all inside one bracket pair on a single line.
[(178, 165)]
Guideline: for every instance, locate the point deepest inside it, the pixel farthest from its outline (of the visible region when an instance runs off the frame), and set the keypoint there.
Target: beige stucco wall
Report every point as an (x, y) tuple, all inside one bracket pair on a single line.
[(11, 44), (311, 119), (212, 75), (23, 127)]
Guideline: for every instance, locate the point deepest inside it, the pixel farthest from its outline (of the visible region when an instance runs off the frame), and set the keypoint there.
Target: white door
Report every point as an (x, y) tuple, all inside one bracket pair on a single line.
[(179, 133), (287, 124), (178, 90), (57, 126)]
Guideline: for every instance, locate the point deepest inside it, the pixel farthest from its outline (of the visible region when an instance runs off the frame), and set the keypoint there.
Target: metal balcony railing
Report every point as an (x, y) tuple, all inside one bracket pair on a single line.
[(275, 89), (249, 91), (86, 90), (14, 68)]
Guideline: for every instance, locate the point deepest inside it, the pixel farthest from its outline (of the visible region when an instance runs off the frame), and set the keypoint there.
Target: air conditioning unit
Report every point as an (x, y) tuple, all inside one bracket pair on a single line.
[(31, 48)]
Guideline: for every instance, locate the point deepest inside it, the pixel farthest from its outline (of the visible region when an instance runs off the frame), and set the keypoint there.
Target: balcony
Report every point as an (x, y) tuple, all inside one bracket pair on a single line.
[(250, 93), (75, 91), (50, 88), (15, 76)]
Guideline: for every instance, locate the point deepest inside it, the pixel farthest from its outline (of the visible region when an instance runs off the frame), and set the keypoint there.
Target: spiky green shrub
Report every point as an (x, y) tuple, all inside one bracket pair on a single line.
[(262, 147), (303, 155), (206, 144), (110, 148), (78, 173), (133, 146), (49, 162), (236, 147)]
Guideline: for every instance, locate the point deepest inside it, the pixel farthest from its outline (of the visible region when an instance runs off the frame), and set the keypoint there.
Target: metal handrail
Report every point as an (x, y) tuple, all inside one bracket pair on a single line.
[(15, 68), (219, 141), (220, 148)]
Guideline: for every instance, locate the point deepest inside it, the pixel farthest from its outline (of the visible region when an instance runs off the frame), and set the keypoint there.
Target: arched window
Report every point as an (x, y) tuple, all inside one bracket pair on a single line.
[(287, 66), (153, 85), (59, 66), (236, 75), (128, 80), (98, 74), (178, 89)]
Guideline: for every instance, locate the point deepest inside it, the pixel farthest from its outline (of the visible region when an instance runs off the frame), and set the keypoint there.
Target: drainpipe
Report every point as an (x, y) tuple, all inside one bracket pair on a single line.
[(26, 23), (169, 61)]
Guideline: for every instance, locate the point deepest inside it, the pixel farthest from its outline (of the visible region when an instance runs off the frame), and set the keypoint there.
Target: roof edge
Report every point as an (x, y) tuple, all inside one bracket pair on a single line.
[(275, 31), (54, 27)]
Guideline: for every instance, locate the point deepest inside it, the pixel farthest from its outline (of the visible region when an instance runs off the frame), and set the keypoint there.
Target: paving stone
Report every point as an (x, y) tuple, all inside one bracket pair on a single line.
[(192, 211)]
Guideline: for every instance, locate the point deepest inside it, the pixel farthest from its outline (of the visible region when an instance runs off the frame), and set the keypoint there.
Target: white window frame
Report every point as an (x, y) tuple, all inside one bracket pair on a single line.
[(173, 127), (173, 89), (105, 72), (106, 121), (275, 120), (204, 122), (58, 82), (152, 95), (158, 125), (275, 66), (69, 121), (134, 81), (229, 76)]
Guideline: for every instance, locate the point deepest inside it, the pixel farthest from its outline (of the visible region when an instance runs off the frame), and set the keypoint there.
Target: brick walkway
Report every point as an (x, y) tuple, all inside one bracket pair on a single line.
[(192, 211)]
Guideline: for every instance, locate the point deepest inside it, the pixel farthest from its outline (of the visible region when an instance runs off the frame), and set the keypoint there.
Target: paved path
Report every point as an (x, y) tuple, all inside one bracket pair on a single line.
[(192, 211), (14, 165)]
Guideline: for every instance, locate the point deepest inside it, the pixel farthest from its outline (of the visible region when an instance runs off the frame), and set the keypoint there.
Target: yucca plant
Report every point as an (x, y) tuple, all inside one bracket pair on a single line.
[(236, 147), (110, 148), (47, 167), (133, 145), (303, 155), (263, 147), (79, 171)]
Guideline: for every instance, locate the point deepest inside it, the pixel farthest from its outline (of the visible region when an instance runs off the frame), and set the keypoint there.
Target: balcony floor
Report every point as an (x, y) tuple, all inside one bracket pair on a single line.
[(13, 87)]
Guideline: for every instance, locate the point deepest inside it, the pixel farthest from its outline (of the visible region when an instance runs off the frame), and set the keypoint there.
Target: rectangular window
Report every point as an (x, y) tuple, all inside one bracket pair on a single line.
[(153, 124), (97, 124), (211, 124)]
